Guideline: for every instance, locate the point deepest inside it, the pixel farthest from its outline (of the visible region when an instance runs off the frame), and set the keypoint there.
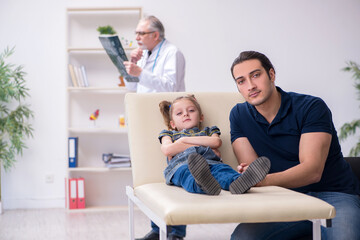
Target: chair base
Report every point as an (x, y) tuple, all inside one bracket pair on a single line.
[(132, 199), (174, 215)]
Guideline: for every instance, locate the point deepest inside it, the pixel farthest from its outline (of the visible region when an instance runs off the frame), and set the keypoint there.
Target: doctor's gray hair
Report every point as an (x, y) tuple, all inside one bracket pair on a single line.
[(155, 25)]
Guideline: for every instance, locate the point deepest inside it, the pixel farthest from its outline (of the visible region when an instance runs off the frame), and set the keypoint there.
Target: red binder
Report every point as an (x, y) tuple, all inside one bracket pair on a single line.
[(72, 193), (81, 193)]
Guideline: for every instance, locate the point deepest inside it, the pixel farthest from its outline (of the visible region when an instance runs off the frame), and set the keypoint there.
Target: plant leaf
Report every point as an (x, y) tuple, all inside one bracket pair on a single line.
[(350, 128), (14, 115)]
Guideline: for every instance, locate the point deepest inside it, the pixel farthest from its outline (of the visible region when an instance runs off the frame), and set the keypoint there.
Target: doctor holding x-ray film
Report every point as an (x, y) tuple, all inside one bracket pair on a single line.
[(158, 64)]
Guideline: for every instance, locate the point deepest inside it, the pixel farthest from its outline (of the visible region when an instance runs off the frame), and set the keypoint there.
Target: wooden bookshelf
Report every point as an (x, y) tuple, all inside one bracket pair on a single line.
[(104, 187)]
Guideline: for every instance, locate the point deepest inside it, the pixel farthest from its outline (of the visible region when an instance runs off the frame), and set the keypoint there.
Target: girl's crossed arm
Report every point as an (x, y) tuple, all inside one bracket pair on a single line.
[(170, 148), (213, 141)]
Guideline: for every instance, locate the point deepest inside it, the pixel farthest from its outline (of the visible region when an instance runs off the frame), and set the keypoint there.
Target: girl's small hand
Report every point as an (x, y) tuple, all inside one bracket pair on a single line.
[(242, 167), (217, 152)]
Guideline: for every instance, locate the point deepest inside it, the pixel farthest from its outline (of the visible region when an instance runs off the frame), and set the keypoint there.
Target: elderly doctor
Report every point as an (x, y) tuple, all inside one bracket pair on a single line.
[(158, 64)]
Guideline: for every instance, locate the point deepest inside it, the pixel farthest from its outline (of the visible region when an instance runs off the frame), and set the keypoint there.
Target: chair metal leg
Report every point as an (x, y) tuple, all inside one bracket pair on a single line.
[(317, 223), (317, 229), (147, 211), (163, 233), (131, 219)]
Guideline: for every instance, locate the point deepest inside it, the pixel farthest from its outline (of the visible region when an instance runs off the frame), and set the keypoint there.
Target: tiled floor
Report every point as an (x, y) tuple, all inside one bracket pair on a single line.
[(60, 224)]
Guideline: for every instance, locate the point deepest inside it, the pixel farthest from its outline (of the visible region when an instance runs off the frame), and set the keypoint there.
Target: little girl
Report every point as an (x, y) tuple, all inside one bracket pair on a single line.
[(193, 157)]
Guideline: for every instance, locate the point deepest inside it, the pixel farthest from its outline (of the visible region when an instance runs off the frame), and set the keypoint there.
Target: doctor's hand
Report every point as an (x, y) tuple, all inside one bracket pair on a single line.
[(132, 68), (135, 55)]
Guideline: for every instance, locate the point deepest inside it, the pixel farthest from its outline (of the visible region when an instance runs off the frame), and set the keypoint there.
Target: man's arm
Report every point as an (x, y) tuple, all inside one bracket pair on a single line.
[(313, 151), (243, 151)]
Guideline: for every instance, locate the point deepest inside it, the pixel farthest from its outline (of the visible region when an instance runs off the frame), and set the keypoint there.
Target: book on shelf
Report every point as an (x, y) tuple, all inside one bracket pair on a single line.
[(114, 157), (115, 51), (118, 165), (73, 76), (75, 192), (73, 151), (113, 160), (78, 76), (84, 75), (72, 193), (80, 197)]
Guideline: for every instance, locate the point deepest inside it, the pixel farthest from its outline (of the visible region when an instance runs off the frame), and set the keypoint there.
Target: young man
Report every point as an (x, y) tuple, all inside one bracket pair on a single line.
[(159, 65), (296, 132)]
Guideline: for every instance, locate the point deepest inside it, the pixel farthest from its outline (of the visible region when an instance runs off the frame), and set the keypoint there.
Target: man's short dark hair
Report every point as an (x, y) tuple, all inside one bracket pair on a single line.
[(249, 55)]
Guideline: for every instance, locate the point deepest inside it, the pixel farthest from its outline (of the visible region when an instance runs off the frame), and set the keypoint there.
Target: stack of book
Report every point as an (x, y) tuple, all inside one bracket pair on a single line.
[(78, 76), (113, 160)]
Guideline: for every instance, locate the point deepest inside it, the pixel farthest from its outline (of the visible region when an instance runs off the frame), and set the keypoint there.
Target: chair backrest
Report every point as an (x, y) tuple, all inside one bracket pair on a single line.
[(145, 122), (355, 165)]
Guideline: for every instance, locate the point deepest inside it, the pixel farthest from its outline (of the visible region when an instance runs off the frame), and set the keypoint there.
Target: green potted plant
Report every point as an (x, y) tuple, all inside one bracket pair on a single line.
[(14, 113), (350, 128), (106, 30)]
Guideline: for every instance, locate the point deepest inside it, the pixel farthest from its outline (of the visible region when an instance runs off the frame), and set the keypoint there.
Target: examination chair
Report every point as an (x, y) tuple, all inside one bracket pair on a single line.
[(170, 205)]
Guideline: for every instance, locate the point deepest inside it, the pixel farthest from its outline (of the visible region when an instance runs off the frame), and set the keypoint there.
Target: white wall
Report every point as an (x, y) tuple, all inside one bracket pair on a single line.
[(308, 42)]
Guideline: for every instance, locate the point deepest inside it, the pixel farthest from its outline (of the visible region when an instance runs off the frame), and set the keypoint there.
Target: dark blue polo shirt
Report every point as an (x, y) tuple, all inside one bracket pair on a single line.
[(279, 140)]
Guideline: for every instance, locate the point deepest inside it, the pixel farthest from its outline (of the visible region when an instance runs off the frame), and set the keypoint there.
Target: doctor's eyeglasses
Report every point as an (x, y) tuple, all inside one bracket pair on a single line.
[(143, 33)]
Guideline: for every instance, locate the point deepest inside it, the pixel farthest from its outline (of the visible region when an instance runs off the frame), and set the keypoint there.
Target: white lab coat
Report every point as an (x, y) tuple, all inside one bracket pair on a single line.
[(165, 75)]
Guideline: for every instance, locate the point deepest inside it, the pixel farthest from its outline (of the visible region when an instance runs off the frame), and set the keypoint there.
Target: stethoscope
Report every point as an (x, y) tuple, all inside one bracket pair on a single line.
[(157, 55)]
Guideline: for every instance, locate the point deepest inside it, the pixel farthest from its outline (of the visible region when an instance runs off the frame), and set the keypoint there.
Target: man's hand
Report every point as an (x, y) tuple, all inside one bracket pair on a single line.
[(242, 167), (136, 55), (132, 69)]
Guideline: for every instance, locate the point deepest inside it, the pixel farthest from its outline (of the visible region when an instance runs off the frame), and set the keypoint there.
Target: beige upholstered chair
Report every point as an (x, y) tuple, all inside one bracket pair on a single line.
[(170, 205)]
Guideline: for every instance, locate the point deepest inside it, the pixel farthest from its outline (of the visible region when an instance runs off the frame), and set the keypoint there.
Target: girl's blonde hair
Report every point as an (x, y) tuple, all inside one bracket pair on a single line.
[(166, 109)]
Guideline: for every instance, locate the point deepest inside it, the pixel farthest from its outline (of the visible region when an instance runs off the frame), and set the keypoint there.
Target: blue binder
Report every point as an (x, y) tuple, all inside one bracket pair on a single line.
[(73, 151)]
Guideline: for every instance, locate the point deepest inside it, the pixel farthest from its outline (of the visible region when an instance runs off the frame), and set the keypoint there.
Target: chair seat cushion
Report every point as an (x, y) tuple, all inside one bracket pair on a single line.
[(260, 204)]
